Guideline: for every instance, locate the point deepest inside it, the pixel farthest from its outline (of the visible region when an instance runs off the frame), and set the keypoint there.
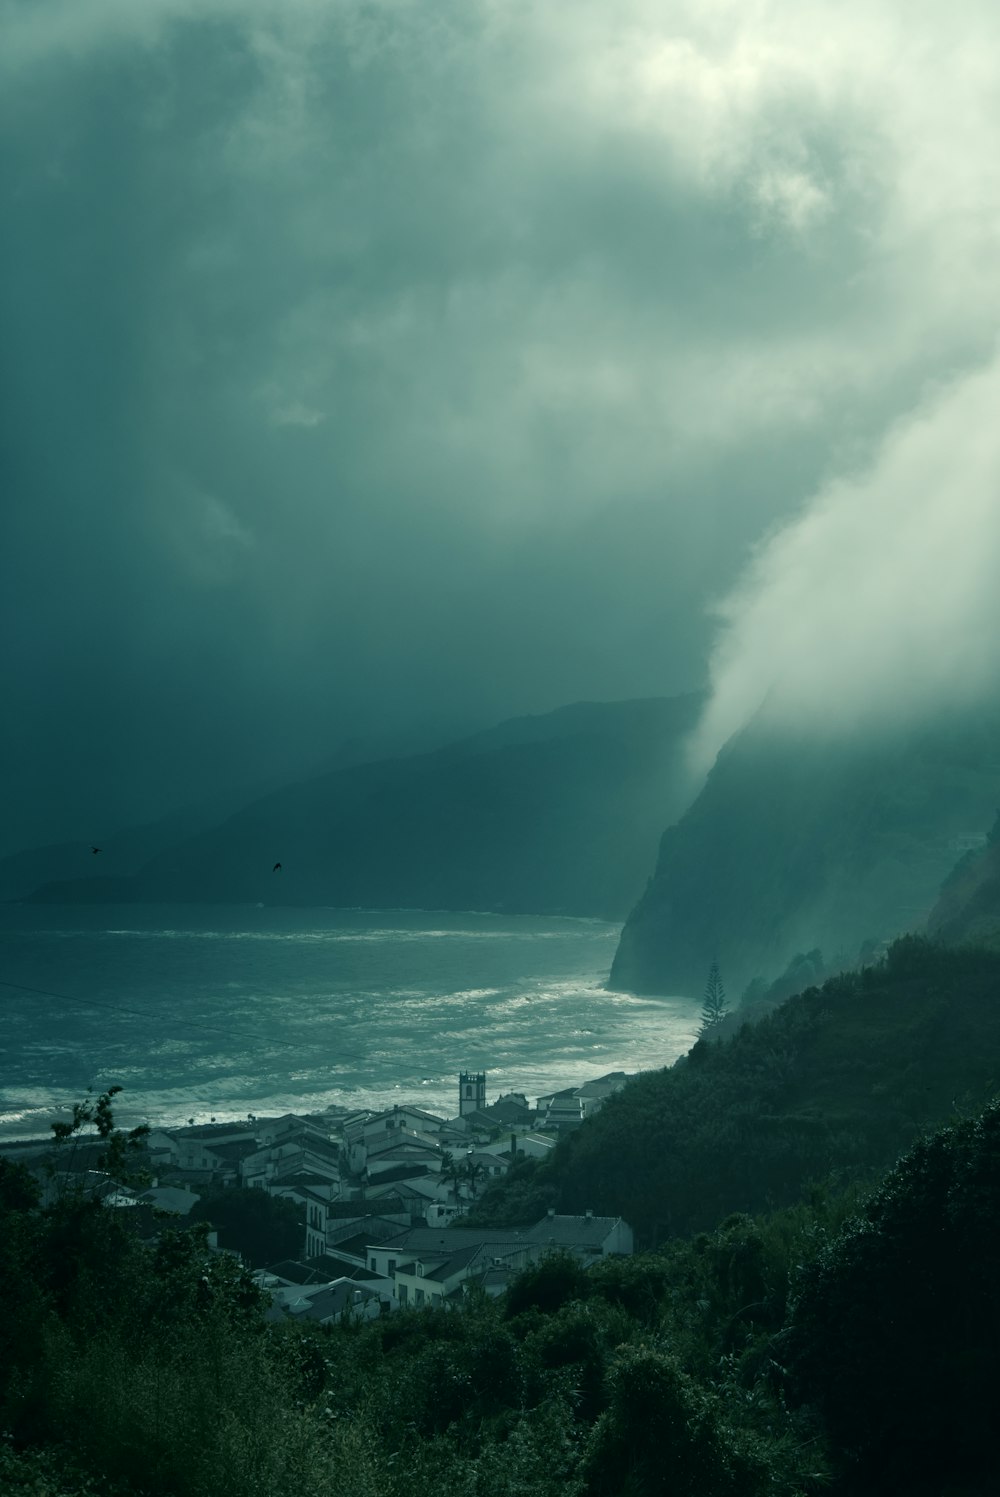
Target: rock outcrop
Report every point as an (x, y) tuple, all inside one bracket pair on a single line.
[(796, 843)]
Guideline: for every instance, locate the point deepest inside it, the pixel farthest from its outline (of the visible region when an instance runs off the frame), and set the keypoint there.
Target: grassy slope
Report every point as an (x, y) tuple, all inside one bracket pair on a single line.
[(841, 1078)]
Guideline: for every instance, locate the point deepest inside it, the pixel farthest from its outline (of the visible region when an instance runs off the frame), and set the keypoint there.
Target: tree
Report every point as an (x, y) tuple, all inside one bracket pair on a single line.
[(893, 1336), (119, 1149), (451, 1173), (262, 1228), (467, 1172), (556, 1281), (18, 1188), (662, 1435), (714, 1008), (472, 1172)]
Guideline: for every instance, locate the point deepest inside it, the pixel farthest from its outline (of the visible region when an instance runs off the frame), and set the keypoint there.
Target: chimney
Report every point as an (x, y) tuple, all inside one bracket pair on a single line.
[(551, 1211), (589, 1214)]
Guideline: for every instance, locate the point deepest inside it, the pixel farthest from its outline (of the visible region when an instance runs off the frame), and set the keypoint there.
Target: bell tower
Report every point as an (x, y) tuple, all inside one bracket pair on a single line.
[(471, 1092)]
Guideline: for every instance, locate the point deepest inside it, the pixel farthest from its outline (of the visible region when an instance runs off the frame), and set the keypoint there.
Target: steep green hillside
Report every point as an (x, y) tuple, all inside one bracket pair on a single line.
[(548, 815), (894, 1333), (840, 1078), (795, 844)]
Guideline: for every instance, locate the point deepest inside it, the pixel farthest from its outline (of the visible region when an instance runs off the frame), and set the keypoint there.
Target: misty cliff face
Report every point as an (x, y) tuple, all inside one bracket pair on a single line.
[(968, 910), (795, 843), (555, 814)]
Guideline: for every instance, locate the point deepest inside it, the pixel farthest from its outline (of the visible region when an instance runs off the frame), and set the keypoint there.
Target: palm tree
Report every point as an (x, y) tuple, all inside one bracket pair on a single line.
[(471, 1171), (450, 1171)]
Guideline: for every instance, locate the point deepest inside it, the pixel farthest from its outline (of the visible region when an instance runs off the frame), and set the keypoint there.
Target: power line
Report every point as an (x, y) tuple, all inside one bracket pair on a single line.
[(141, 1013)]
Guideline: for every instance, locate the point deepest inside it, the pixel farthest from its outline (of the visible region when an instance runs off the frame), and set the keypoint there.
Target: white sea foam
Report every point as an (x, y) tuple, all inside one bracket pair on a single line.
[(202, 1021)]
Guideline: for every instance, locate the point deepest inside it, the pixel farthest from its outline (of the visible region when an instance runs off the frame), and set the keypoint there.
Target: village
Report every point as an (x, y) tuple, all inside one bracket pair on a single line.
[(381, 1193)]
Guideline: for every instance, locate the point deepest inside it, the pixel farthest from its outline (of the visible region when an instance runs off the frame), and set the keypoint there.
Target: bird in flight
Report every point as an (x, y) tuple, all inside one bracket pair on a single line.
[(95, 849), (276, 868)]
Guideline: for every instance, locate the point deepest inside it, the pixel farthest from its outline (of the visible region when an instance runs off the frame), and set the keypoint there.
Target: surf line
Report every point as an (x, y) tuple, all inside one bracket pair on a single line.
[(142, 1013)]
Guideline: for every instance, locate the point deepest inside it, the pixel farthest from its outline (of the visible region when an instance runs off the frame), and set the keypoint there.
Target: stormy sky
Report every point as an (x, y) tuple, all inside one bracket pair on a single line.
[(383, 369)]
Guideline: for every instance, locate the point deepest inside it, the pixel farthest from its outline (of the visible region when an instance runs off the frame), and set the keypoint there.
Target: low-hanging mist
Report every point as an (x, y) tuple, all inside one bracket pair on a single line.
[(878, 607), (388, 370)]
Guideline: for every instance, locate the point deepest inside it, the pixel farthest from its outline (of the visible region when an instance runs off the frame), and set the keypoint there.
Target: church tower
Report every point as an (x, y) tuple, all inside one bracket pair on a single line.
[(471, 1092)]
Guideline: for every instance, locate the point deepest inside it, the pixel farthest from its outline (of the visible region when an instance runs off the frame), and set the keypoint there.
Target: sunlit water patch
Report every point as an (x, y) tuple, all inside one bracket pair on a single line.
[(205, 1012)]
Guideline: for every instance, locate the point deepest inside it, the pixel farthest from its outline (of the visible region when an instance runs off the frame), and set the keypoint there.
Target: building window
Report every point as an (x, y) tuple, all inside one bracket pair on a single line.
[(403, 1294), (392, 1266), (418, 1296)]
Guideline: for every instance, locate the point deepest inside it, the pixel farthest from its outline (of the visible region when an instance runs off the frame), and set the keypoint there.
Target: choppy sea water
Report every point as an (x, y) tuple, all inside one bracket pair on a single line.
[(209, 1011)]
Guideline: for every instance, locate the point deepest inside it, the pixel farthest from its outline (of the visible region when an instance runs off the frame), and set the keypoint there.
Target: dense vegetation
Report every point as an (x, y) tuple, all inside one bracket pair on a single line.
[(840, 1078), (835, 1346), (896, 1325), (260, 1227)]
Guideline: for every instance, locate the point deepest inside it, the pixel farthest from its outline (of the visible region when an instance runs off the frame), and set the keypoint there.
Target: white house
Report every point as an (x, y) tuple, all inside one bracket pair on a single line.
[(594, 1094), (588, 1237), (373, 1135), (308, 1152), (197, 1148), (435, 1276), (340, 1299), (426, 1264), (390, 1153), (568, 1108)]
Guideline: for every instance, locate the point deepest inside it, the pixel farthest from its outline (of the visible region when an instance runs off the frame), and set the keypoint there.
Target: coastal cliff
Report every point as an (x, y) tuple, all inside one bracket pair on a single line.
[(796, 843)]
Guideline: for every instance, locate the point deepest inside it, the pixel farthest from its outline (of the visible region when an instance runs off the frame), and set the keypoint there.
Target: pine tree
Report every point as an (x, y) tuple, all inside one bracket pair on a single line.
[(714, 1008)]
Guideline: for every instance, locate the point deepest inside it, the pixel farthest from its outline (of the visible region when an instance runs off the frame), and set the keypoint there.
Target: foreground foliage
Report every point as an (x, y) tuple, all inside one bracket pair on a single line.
[(135, 1369), (262, 1228), (842, 1345), (895, 1331)]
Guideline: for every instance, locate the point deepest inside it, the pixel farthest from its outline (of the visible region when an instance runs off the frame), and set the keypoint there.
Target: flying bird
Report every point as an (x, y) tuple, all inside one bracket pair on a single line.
[(95, 849), (276, 868)]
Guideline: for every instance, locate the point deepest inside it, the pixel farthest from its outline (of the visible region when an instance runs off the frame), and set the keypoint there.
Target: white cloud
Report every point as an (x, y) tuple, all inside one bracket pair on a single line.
[(296, 413), (207, 541), (221, 524), (880, 603)]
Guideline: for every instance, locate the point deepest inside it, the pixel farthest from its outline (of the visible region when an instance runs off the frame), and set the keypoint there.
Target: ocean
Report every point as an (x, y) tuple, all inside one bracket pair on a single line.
[(213, 1011)]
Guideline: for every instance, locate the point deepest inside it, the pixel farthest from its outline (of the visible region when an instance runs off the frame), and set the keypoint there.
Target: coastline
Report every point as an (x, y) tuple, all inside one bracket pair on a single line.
[(201, 1012)]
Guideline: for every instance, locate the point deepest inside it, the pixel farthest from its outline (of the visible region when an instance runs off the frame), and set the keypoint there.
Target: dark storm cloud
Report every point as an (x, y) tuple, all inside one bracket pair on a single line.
[(379, 365)]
